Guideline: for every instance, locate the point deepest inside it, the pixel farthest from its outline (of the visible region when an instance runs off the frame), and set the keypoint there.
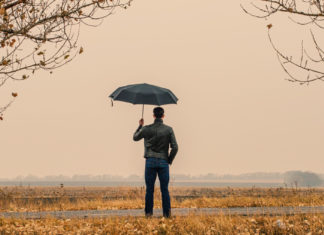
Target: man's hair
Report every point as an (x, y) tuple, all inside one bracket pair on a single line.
[(158, 112)]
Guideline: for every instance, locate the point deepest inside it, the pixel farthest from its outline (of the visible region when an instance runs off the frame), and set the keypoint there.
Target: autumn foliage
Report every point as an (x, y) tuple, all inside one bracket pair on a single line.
[(38, 34)]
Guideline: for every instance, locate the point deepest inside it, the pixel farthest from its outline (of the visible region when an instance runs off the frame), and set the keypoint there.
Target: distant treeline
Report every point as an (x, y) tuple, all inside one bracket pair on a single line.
[(298, 178), (303, 179), (275, 176)]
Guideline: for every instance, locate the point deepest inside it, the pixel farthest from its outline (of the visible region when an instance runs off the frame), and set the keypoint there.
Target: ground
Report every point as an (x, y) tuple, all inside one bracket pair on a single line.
[(102, 198)]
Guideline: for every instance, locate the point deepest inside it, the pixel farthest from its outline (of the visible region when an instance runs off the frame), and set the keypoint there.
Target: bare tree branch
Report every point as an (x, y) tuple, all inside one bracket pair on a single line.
[(304, 13), (38, 34)]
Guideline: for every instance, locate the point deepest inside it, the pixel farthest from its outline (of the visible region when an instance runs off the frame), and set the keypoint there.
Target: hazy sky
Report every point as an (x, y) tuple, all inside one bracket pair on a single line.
[(236, 113)]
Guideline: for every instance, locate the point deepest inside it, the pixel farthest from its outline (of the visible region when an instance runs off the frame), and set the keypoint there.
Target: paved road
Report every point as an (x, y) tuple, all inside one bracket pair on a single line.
[(247, 211)]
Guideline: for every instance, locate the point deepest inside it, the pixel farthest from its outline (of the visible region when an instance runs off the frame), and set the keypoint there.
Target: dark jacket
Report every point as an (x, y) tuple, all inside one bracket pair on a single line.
[(157, 139)]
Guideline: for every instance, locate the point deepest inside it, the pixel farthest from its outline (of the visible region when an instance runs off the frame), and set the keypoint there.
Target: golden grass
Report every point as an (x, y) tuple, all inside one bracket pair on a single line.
[(101, 198), (195, 225), (78, 198)]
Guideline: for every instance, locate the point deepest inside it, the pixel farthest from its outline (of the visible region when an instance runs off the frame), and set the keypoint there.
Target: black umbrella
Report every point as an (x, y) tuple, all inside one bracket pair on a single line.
[(144, 94)]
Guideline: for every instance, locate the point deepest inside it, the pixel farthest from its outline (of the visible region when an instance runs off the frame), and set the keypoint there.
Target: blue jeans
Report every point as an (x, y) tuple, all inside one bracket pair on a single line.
[(160, 167)]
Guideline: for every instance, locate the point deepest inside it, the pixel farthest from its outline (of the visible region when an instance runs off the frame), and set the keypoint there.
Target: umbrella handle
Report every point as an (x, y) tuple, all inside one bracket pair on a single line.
[(142, 111)]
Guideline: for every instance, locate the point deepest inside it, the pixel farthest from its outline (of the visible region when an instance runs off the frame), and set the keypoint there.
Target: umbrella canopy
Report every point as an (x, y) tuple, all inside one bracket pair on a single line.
[(144, 94)]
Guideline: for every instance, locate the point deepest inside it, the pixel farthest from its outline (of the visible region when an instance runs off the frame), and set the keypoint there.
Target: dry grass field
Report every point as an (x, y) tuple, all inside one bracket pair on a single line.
[(78, 198), (194, 225), (101, 198)]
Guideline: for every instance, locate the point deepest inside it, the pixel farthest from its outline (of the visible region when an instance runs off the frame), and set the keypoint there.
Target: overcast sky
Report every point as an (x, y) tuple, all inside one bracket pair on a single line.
[(236, 112)]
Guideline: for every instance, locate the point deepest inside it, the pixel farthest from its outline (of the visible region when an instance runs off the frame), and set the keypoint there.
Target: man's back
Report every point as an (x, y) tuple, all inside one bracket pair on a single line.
[(157, 139)]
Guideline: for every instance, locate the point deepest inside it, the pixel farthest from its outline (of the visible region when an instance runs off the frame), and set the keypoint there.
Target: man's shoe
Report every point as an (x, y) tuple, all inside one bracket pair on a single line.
[(148, 215), (167, 215)]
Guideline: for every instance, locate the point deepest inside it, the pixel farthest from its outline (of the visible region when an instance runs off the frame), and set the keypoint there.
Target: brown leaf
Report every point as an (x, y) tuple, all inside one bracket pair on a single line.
[(67, 56), (81, 50), (14, 94), (269, 26), (42, 63), (1, 118), (2, 11), (40, 53), (12, 42)]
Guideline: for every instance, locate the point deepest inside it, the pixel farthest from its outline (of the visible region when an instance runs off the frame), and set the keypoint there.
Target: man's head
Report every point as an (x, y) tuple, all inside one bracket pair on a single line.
[(158, 112)]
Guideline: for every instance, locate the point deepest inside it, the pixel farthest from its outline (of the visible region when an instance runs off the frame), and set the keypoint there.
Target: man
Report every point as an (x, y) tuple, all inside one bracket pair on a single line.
[(157, 139)]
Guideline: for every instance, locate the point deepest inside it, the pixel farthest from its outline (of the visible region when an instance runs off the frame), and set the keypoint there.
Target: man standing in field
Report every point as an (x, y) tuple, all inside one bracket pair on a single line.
[(157, 139)]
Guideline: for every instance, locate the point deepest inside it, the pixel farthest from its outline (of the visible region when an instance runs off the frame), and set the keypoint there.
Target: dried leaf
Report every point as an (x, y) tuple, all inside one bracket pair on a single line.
[(269, 26), (67, 56), (2, 11), (12, 42), (81, 50), (14, 94)]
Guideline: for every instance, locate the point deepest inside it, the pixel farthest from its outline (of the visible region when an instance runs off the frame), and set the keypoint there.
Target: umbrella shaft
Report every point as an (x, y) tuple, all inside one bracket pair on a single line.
[(143, 111)]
